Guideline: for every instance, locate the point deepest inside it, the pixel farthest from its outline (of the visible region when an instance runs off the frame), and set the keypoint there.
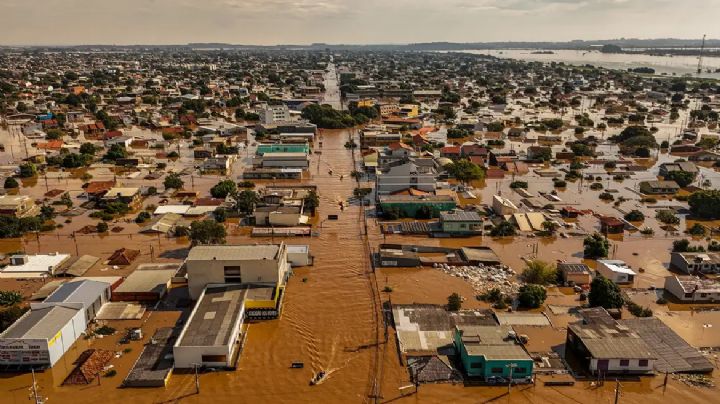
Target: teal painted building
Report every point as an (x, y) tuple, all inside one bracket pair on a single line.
[(283, 148), (487, 351), (408, 205)]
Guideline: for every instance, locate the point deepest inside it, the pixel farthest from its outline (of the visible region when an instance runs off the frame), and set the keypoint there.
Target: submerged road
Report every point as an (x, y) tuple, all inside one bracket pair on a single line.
[(332, 87)]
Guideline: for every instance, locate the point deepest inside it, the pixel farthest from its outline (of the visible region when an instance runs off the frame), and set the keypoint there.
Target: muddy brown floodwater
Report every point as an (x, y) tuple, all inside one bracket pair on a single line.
[(331, 318)]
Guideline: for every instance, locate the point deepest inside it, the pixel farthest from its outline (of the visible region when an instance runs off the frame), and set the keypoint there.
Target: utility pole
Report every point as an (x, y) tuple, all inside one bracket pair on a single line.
[(511, 366), (35, 394), (197, 379), (617, 391)]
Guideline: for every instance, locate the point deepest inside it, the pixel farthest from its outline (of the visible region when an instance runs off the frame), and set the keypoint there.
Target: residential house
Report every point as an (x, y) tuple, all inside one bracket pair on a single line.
[(576, 274), (605, 347), (696, 262), (18, 206), (409, 205), (492, 352), (405, 176), (503, 206), (611, 225), (692, 289), (659, 187), (128, 195), (616, 270), (461, 222), (682, 166)]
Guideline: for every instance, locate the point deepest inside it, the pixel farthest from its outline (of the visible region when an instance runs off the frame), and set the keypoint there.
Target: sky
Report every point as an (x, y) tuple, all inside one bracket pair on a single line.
[(271, 22)]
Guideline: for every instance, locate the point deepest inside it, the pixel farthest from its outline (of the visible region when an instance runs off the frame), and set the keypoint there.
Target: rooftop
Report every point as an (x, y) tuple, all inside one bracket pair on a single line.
[(605, 338), (234, 252), (492, 342), (42, 323), (78, 291), (212, 320), (459, 216), (149, 280)]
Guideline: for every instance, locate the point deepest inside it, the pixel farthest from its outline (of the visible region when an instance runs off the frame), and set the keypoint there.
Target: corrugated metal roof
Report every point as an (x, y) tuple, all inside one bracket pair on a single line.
[(84, 291), (42, 323)]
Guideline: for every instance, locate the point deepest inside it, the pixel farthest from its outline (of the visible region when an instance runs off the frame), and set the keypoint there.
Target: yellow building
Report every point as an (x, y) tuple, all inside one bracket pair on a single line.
[(366, 102), (409, 110)]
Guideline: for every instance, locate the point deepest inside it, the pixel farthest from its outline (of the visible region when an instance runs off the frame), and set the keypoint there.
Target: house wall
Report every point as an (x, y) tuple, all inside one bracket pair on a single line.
[(672, 286), (479, 367), (578, 279), (461, 227), (614, 366), (617, 277), (284, 219)]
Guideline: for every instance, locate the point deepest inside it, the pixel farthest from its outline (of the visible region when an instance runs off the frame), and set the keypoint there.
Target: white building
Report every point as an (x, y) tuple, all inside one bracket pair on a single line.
[(33, 266), (690, 289), (264, 264), (695, 262), (210, 335), (42, 335), (274, 113), (405, 176), (503, 206), (616, 270)]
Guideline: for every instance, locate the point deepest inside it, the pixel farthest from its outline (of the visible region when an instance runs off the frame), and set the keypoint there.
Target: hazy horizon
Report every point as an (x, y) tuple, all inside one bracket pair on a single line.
[(298, 22)]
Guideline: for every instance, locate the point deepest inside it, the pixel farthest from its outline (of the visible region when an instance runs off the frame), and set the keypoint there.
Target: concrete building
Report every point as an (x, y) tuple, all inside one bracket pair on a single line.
[(503, 206), (691, 289), (17, 206), (274, 113), (33, 266), (606, 347), (42, 335), (282, 160), (696, 262), (492, 351), (403, 177), (149, 285), (265, 264), (578, 274), (616, 270), (210, 335)]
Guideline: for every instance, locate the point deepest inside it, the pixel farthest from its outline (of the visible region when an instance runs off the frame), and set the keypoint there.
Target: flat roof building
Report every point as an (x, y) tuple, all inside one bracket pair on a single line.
[(492, 351), (209, 337), (690, 289), (33, 266), (616, 270)]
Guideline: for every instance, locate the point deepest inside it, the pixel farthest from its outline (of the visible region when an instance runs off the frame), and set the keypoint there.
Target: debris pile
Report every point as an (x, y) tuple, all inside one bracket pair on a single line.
[(695, 380), (484, 277)]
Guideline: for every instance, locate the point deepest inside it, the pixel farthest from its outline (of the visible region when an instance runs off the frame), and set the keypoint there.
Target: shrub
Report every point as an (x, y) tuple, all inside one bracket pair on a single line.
[(454, 302), (11, 183), (667, 217), (540, 273), (634, 216), (532, 296), (518, 184), (606, 196)]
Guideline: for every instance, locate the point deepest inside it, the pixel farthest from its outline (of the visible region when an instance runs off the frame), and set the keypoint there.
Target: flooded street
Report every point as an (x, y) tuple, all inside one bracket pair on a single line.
[(331, 318)]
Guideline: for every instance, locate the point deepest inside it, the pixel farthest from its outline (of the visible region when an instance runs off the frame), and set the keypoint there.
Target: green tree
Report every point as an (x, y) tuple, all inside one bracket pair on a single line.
[(207, 231), (223, 188), (532, 296), (11, 183), (311, 201), (9, 298), (667, 216), (596, 246), (88, 148), (464, 171), (503, 229), (550, 227), (101, 227), (605, 293), (27, 170), (246, 200), (634, 216), (705, 204), (683, 178), (540, 273), (454, 302), (173, 181), (115, 152)]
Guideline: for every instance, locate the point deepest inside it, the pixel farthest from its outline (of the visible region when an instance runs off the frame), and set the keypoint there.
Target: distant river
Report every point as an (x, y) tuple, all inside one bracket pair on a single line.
[(670, 65)]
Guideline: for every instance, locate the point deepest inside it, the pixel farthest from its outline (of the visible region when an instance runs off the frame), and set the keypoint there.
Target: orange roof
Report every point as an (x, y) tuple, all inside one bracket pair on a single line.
[(398, 145), (99, 186), (50, 145)]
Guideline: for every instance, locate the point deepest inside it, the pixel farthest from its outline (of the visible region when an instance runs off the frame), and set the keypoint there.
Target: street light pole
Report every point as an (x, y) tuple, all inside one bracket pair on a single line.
[(511, 366), (197, 379)]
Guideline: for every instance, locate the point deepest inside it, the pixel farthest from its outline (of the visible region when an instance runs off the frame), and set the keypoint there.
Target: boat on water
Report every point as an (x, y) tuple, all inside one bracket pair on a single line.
[(318, 378)]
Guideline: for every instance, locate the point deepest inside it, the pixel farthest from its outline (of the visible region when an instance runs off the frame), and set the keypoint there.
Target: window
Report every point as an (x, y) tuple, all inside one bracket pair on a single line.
[(214, 358), (232, 274), (519, 370), (476, 365), (624, 362), (496, 370), (643, 362), (688, 295)]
